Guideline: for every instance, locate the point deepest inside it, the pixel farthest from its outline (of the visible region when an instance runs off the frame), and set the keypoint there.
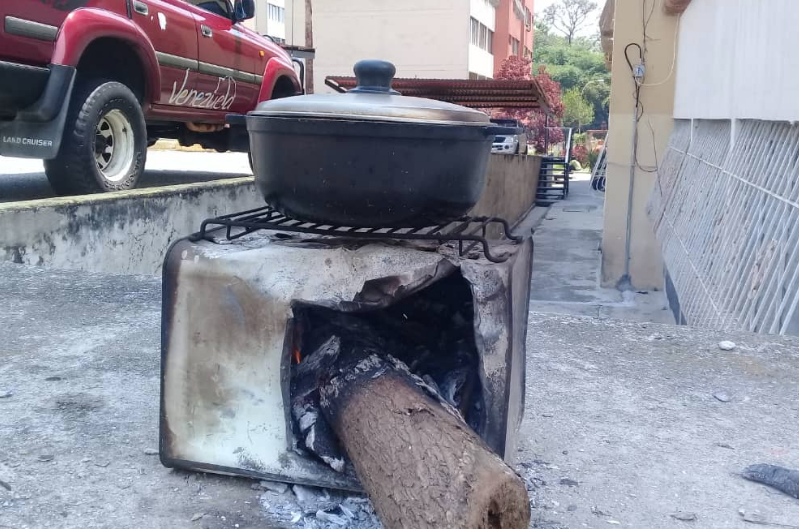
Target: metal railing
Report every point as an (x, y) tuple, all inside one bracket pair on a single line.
[(725, 208)]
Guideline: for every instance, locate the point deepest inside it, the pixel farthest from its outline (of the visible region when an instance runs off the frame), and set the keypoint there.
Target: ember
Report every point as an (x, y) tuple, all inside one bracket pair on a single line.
[(431, 333)]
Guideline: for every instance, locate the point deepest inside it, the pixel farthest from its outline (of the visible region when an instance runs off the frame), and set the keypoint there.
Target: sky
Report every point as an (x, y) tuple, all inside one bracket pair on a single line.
[(589, 29)]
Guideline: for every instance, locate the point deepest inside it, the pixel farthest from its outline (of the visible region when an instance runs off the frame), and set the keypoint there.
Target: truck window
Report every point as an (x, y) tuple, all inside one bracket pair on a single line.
[(218, 7)]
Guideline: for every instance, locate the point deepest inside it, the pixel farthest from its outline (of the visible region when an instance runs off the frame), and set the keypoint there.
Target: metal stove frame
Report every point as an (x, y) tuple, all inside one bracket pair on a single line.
[(468, 232)]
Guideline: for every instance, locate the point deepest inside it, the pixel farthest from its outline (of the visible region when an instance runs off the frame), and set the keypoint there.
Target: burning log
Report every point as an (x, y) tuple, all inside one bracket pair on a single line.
[(420, 464)]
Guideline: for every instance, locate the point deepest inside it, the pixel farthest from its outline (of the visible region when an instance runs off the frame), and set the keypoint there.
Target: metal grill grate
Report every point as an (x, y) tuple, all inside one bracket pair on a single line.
[(726, 216), (468, 232)]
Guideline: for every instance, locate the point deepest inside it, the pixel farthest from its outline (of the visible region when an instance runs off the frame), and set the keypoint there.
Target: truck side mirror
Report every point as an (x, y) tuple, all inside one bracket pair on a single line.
[(244, 10)]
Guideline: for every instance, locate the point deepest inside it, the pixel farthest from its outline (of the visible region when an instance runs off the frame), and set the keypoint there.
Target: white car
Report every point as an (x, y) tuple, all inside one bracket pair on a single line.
[(515, 144)]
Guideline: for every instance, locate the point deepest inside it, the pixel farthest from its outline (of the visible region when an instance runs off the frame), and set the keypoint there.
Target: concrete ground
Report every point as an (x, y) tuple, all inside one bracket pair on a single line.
[(24, 179), (627, 423), (566, 266), (621, 425)]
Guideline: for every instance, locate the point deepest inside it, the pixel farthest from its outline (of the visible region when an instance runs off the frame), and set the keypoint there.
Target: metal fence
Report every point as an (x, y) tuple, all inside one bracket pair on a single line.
[(725, 208)]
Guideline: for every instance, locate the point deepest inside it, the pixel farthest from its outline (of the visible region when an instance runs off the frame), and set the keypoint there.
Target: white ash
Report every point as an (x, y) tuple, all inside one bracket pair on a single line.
[(308, 418), (313, 508)]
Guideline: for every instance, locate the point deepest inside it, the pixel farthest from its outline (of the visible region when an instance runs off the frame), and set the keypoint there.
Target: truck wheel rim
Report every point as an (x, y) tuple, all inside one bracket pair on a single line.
[(114, 146)]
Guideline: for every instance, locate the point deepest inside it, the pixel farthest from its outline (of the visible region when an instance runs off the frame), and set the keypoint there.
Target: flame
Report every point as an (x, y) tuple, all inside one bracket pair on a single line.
[(297, 355)]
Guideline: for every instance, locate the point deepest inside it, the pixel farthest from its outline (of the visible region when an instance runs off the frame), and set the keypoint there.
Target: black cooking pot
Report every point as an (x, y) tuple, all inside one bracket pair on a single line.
[(370, 157)]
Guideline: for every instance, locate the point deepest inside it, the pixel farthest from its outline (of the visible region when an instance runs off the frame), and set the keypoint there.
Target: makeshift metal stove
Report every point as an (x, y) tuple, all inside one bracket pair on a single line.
[(256, 305)]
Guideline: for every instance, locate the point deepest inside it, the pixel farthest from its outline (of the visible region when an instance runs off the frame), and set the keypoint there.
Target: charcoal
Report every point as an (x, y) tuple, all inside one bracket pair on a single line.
[(321, 440), (429, 334), (307, 419), (782, 479), (453, 383), (305, 376), (432, 383), (319, 437)]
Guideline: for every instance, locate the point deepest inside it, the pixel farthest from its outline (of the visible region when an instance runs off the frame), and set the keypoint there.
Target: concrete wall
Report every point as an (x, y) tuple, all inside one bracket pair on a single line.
[(657, 97), (128, 233), (736, 61), (422, 38), (295, 22), (511, 188), (117, 233)]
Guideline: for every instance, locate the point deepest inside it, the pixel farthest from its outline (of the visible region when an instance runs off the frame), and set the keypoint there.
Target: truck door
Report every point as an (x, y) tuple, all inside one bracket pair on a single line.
[(172, 29), (227, 58)]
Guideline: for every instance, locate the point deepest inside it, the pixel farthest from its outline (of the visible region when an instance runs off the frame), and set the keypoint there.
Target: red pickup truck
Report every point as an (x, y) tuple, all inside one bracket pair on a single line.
[(87, 85)]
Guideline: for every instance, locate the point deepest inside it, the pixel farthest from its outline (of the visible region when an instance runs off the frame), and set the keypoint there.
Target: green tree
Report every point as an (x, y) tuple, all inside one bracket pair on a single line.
[(577, 111), (597, 92), (580, 66), (569, 16)]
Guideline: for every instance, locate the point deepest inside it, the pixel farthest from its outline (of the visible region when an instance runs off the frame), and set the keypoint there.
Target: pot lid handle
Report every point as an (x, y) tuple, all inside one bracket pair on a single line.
[(374, 76)]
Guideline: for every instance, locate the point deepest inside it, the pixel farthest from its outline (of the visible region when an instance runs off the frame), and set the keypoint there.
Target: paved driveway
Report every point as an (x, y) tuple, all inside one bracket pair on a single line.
[(24, 179)]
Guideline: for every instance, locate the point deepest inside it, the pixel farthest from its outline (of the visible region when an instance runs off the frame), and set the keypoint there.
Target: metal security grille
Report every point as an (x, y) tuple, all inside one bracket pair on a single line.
[(727, 217)]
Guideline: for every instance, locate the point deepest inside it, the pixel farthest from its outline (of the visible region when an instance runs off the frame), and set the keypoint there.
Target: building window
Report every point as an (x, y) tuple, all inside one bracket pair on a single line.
[(481, 36), (276, 13), (527, 52), (528, 18), (514, 46)]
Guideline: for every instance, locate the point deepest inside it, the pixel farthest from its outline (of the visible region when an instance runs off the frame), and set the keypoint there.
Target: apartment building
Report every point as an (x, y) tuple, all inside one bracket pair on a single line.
[(270, 19), (514, 30), (423, 38)]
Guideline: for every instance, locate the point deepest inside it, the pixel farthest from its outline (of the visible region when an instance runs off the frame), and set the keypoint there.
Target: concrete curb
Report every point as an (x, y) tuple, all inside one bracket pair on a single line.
[(118, 233)]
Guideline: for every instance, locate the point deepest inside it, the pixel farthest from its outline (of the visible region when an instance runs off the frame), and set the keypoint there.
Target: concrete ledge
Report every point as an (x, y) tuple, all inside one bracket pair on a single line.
[(128, 232), (118, 233), (511, 188)]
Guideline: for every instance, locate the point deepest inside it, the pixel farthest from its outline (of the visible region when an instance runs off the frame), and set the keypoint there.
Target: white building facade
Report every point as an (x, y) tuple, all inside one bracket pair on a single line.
[(270, 19), (423, 38)]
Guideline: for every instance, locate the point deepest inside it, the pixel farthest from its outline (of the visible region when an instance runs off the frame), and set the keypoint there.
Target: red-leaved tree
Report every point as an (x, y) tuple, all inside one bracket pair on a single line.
[(534, 120)]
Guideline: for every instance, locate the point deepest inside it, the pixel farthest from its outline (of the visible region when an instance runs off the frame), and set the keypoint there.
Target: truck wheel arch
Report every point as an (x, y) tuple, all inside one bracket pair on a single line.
[(280, 80), (84, 26)]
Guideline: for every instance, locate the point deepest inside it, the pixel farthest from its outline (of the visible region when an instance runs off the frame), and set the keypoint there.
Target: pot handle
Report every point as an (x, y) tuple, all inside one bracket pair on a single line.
[(374, 77), (503, 131)]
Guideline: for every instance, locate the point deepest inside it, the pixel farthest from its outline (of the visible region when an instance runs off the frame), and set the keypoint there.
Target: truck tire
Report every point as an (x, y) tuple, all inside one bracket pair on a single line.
[(105, 141)]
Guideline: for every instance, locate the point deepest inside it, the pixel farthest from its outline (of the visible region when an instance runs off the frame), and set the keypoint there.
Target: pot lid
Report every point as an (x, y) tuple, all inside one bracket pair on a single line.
[(372, 99)]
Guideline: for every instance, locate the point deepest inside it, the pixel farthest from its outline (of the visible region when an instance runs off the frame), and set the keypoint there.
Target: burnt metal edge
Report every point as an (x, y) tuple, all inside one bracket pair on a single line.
[(523, 338), (528, 280), (285, 377), (187, 464), (168, 296)]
